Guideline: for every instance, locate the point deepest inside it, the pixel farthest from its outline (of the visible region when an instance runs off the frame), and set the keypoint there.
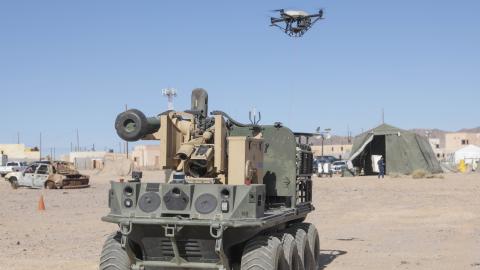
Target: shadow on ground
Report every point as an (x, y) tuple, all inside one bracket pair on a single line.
[(328, 256)]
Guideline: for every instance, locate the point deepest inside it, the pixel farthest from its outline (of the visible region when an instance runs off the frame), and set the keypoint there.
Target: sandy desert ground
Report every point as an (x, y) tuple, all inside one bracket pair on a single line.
[(365, 223)]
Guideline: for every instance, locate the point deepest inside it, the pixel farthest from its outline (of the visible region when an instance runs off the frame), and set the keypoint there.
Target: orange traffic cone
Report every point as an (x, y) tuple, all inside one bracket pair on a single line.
[(41, 204)]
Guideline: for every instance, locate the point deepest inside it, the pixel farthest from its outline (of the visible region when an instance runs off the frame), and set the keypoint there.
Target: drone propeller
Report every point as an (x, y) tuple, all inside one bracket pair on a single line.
[(320, 12), (318, 15)]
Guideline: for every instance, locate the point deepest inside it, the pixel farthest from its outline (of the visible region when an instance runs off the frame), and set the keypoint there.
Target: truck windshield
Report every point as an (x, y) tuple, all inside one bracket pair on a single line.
[(12, 164)]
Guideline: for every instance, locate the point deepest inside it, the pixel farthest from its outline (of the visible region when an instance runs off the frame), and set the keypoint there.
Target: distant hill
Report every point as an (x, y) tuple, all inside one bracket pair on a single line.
[(470, 130), (434, 133)]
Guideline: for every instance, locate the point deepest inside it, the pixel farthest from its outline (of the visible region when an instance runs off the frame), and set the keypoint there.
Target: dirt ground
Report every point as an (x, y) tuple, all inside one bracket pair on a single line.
[(365, 223)]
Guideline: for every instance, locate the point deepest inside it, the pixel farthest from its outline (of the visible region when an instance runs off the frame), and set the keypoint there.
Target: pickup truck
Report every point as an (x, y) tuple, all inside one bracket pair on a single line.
[(12, 166), (50, 176)]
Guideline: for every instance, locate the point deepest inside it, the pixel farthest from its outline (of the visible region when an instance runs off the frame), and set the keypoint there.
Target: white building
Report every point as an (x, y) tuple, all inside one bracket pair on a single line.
[(468, 153), (87, 160), (146, 156)]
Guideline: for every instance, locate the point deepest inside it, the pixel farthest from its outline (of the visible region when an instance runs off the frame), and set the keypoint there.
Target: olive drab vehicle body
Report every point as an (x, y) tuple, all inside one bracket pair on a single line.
[(236, 191)]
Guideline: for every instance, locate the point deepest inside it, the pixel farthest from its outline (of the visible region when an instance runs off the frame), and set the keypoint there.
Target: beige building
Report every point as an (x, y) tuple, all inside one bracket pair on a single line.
[(19, 152), (458, 140), (146, 156), (445, 147), (436, 144), (341, 151), (86, 160)]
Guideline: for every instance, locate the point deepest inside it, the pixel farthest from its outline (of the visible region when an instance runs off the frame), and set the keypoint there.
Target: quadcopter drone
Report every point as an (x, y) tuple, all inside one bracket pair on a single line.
[(296, 22)]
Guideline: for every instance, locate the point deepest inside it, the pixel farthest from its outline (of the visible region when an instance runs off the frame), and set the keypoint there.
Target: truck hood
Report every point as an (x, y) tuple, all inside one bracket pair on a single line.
[(16, 174)]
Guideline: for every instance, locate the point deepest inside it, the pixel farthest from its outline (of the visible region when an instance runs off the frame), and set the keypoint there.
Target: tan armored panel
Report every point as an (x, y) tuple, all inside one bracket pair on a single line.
[(245, 160), (171, 139), (220, 147)]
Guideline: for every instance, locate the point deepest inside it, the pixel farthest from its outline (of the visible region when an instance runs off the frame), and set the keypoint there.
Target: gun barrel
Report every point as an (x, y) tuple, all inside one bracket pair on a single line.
[(133, 125)]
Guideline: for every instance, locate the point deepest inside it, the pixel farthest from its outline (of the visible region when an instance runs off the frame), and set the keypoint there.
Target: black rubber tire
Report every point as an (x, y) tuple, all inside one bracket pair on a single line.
[(263, 253), (313, 240), (290, 251), (303, 246), (113, 256), (13, 182)]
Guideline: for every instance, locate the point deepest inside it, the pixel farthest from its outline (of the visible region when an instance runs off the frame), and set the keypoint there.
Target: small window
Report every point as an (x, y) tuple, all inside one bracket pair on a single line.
[(31, 169), (333, 149), (443, 155), (42, 169), (464, 142), (341, 149), (437, 146), (438, 155)]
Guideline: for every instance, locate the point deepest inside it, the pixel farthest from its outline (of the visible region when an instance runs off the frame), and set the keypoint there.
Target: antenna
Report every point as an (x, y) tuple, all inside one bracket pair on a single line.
[(253, 116), (170, 93)]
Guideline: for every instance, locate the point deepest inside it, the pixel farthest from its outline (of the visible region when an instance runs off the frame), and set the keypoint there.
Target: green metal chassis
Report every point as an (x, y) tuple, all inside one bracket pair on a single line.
[(272, 219)]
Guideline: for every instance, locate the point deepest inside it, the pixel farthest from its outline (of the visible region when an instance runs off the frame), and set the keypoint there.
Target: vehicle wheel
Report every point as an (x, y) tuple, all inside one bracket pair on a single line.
[(50, 185), (13, 182), (290, 251), (303, 246), (263, 253), (113, 256), (313, 240)]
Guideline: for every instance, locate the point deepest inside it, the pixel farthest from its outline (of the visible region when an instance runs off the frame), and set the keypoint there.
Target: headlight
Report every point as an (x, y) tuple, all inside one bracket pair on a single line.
[(128, 203), (128, 191)]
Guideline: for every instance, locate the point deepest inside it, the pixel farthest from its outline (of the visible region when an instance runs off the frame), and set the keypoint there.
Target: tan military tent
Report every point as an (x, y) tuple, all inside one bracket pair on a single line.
[(404, 151)]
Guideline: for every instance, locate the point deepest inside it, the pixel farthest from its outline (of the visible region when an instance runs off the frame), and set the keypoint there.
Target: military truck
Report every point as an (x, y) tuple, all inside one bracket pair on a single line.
[(237, 196)]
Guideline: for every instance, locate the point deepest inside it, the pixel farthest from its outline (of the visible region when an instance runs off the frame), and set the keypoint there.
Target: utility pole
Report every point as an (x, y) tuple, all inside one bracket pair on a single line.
[(78, 141), (383, 116), (18, 137), (40, 149), (349, 135)]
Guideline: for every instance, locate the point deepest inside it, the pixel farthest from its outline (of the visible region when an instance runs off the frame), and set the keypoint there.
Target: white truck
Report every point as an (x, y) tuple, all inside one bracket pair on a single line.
[(12, 166), (48, 175)]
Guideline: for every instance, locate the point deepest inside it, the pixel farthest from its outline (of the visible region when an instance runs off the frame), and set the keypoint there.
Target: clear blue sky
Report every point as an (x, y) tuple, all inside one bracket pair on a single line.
[(74, 64)]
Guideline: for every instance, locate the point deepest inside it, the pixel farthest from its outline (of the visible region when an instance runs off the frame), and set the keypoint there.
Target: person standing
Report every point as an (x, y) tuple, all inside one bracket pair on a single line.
[(474, 165), (381, 168)]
